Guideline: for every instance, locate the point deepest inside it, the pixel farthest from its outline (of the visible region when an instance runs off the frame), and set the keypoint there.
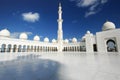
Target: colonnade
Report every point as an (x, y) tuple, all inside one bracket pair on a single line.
[(74, 48), (32, 48), (26, 48)]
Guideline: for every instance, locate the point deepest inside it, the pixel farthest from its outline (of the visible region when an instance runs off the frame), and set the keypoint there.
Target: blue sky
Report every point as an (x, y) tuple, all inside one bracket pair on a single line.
[(39, 17)]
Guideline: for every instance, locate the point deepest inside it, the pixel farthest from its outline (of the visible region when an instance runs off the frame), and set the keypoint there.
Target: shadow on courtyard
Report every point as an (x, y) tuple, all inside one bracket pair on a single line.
[(29, 68)]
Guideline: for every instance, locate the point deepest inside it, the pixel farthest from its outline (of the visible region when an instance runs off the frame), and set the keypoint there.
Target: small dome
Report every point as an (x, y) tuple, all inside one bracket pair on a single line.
[(108, 26), (53, 41), (74, 40), (46, 39), (5, 33), (66, 41), (36, 38), (88, 32), (83, 38), (23, 36)]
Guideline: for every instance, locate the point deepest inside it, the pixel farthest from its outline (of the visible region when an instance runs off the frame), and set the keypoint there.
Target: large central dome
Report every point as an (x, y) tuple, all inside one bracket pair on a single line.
[(108, 26)]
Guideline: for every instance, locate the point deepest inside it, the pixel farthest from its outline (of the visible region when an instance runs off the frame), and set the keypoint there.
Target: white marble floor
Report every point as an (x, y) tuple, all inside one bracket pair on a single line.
[(67, 66), (88, 67)]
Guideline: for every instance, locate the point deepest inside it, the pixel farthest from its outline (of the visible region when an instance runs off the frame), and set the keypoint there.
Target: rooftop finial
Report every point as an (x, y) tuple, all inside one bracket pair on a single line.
[(107, 20), (59, 4)]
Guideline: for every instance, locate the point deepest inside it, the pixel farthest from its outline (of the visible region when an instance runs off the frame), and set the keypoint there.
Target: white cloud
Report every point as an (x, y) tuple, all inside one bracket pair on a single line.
[(17, 34), (31, 17), (104, 1), (89, 13), (28, 33), (85, 3), (70, 39), (93, 6)]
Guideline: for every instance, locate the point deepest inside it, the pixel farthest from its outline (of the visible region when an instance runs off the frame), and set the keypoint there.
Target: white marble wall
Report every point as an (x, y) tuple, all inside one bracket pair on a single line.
[(103, 36)]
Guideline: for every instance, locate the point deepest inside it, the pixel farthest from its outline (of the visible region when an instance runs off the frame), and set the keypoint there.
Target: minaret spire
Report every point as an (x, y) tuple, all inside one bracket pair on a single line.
[(60, 20), (59, 4), (60, 31)]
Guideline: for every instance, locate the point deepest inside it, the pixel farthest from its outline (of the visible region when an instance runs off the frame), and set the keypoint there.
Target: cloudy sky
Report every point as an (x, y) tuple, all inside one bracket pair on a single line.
[(39, 17)]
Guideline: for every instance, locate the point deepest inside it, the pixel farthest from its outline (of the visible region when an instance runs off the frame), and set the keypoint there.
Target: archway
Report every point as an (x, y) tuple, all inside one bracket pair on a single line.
[(37, 48), (3, 48), (19, 48), (14, 48), (24, 48), (31, 48), (9, 48), (111, 46), (95, 47), (28, 48), (40, 48)]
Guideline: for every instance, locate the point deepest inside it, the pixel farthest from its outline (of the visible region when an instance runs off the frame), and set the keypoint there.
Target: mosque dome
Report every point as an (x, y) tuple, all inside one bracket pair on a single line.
[(36, 38), (5, 33), (53, 41), (83, 38), (88, 32), (46, 39), (74, 40), (23, 36), (108, 26), (66, 41)]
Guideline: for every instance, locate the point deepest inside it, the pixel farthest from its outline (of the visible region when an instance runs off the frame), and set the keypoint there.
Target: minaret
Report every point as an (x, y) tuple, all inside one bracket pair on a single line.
[(60, 31)]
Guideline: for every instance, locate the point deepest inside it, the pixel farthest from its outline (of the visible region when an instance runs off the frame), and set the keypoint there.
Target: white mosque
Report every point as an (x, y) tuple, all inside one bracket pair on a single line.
[(107, 40)]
